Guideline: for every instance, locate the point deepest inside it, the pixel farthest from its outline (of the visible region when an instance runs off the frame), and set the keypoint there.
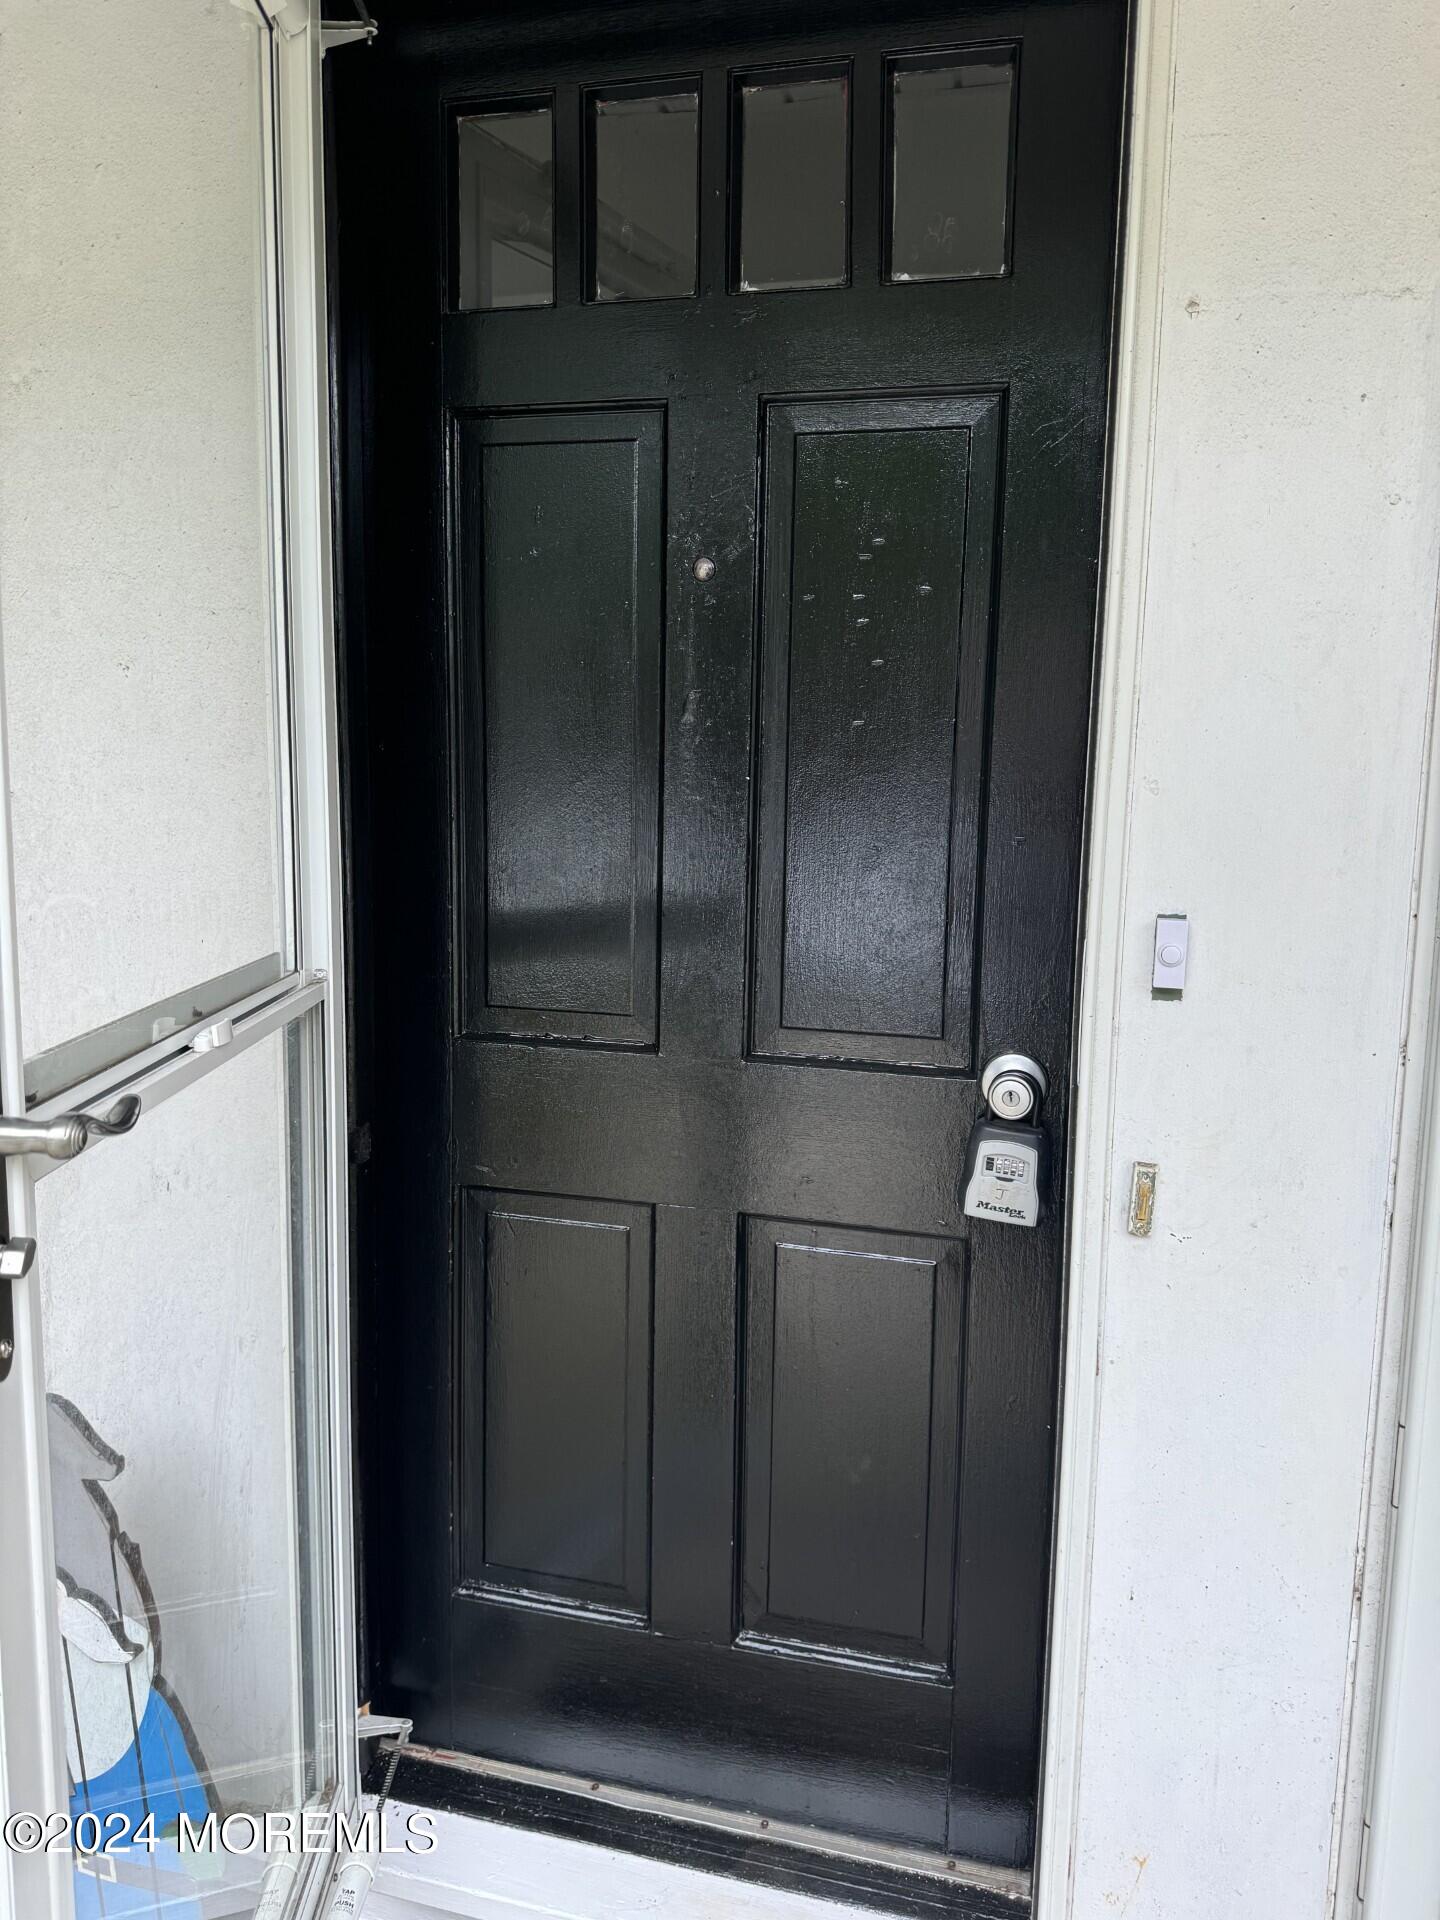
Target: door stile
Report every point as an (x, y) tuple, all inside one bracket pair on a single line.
[(310, 575), (32, 1750)]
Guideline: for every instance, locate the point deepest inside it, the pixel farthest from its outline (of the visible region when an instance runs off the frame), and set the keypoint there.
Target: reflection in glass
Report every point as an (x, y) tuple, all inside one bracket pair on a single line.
[(950, 126), (646, 159), (506, 197), (183, 1353), (139, 654), (793, 184)]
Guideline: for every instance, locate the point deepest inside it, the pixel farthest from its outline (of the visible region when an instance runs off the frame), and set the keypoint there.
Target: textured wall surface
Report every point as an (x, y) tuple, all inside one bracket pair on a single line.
[(1289, 624), (134, 584)]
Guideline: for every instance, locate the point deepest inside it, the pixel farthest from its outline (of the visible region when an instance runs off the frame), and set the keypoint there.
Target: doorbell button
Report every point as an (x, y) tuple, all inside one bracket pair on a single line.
[(1172, 951)]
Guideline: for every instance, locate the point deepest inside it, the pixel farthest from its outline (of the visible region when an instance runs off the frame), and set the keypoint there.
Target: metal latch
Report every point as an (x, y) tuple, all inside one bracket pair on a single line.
[(16, 1259), (68, 1133)]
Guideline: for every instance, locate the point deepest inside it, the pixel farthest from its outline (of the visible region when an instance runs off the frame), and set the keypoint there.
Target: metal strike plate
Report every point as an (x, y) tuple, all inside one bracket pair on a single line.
[(16, 1259), (1143, 1176)]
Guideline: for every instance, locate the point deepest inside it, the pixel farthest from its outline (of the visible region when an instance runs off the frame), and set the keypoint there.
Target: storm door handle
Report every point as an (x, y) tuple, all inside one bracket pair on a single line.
[(68, 1133)]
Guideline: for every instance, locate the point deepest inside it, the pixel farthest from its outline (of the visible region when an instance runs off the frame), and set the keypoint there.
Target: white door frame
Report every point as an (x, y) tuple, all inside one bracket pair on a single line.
[(32, 1756), (1106, 954), (1401, 1838)]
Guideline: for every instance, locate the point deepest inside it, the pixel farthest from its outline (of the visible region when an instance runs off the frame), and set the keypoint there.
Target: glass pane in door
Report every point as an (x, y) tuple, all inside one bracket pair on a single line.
[(645, 217), (189, 1493), (506, 197), (134, 509), (951, 133), (794, 167)]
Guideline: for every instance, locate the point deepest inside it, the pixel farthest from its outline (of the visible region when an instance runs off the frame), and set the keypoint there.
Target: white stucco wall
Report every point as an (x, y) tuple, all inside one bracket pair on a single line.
[(1289, 618)]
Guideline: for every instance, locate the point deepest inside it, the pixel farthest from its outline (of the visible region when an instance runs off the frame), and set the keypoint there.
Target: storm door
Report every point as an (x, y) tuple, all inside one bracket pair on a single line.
[(176, 1628)]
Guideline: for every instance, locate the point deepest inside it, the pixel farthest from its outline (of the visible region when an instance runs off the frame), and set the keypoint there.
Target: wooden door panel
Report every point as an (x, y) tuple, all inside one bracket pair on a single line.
[(850, 1450), (640, 350), (843, 1747), (559, 542), (554, 1463), (876, 633), (757, 1137)]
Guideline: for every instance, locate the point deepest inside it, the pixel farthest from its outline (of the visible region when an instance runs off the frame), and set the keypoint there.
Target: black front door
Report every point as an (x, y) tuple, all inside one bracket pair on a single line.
[(725, 402)]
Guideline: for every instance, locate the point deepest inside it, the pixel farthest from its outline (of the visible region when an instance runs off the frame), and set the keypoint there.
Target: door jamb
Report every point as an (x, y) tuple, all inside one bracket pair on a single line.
[(1386, 1756), (1103, 959)]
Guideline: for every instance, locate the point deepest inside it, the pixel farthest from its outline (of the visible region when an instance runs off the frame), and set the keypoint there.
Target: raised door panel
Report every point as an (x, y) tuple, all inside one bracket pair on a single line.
[(559, 630), (879, 550), (554, 1415), (851, 1423)]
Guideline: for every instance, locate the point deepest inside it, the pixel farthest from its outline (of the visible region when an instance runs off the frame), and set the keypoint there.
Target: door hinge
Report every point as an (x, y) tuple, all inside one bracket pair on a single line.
[(16, 1259), (1397, 1467)]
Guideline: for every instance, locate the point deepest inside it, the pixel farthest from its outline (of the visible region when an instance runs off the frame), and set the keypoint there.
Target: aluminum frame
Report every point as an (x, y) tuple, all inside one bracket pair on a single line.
[(32, 1754)]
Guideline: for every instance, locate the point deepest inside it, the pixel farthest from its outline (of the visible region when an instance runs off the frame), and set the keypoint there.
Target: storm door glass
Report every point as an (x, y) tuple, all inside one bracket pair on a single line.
[(183, 1398), (170, 1582), (148, 761)]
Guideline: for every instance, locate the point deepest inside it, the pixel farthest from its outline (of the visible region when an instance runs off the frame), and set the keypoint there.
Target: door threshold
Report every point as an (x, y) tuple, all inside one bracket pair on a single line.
[(777, 1853)]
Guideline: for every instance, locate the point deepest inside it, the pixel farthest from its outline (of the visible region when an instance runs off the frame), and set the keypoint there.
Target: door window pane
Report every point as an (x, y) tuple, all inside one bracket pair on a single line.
[(950, 167), (646, 182), (139, 617), (793, 168), (506, 197), (183, 1358)]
